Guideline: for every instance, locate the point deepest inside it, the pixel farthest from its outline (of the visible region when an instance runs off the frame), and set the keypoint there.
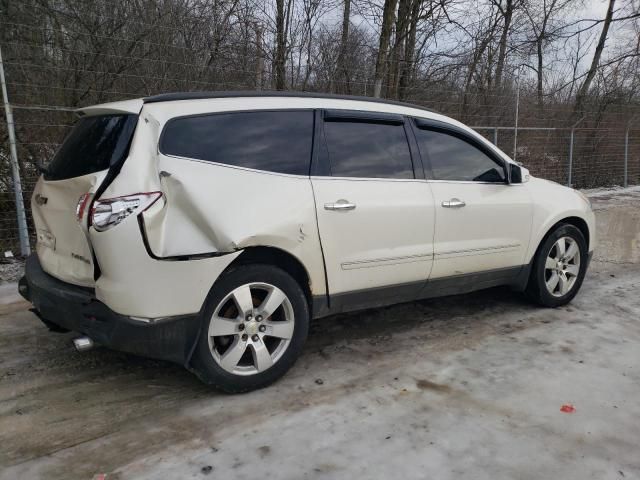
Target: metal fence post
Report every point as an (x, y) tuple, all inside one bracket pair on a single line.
[(573, 129), (23, 233), (515, 132), (626, 153), (626, 158)]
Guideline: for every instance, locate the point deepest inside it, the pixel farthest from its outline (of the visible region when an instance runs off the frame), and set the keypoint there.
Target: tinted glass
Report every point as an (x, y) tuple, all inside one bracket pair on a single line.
[(373, 150), (455, 159), (273, 141), (94, 144)]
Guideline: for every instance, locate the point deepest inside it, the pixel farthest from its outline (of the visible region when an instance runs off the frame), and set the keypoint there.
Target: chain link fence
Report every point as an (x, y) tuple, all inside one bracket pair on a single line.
[(52, 70), (588, 158)]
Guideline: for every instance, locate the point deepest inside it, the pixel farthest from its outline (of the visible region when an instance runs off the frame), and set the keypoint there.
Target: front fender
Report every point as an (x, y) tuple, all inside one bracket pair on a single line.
[(554, 203)]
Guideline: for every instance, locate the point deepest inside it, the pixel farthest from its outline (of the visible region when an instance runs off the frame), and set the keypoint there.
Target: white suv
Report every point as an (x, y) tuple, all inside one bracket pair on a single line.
[(209, 228)]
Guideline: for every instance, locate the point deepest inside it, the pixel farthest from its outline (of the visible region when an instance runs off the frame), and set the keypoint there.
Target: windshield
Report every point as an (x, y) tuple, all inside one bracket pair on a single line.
[(95, 143)]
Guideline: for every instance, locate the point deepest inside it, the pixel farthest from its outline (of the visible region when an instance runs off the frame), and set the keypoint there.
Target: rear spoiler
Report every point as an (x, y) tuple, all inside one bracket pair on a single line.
[(126, 106)]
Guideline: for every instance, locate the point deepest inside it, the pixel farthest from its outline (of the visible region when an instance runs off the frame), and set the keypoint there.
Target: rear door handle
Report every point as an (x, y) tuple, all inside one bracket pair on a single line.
[(453, 203), (340, 205)]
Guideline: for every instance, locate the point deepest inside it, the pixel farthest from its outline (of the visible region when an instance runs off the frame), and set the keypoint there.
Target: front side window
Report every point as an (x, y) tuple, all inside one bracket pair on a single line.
[(275, 141), (369, 150), (453, 158)]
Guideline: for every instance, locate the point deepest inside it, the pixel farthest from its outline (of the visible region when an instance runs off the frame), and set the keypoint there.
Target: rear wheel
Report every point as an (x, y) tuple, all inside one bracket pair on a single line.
[(256, 320), (559, 267)]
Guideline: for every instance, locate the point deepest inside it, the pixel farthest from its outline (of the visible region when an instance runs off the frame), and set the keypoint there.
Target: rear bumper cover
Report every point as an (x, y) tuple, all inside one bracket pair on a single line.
[(76, 308)]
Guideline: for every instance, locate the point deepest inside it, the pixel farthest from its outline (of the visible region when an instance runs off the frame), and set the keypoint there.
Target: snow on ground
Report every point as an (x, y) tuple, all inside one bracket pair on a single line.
[(608, 191), (466, 387)]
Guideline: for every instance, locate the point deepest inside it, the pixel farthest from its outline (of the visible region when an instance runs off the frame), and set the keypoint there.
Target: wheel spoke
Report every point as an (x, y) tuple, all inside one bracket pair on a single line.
[(272, 302), (571, 251), (261, 356), (239, 345), (553, 281), (223, 326), (242, 297), (550, 263), (564, 283), (282, 330), (234, 353), (561, 247), (572, 270)]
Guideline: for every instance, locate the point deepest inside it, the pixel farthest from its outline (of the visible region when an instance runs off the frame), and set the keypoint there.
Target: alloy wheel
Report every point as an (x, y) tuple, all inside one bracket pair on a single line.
[(562, 266), (251, 328)]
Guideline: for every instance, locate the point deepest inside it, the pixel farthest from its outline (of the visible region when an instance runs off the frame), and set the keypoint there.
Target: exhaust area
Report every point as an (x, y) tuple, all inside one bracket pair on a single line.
[(82, 344)]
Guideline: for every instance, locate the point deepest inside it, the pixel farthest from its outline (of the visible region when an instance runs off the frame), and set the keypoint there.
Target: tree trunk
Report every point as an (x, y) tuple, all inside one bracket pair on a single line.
[(343, 70), (591, 73), (397, 55), (540, 75), (502, 54), (477, 56), (280, 54), (388, 18), (259, 57), (408, 68)]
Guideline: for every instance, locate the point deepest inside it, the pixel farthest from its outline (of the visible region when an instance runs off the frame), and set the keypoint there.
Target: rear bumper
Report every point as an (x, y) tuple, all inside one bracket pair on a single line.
[(76, 308)]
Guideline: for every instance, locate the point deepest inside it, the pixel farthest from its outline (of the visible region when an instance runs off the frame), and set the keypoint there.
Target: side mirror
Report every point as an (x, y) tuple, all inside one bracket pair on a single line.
[(517, 174)]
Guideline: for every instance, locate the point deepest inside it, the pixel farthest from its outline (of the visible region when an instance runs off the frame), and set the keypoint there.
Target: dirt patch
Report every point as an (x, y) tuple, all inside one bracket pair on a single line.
[(429, 385)]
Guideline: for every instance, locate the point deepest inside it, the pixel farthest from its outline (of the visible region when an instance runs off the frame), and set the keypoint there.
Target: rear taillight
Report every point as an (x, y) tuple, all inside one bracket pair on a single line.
[(82, 206), (108, 212)]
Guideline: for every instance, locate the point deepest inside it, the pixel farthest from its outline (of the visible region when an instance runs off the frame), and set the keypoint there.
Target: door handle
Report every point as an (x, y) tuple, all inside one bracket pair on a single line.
[(453, 203), (340, 205)]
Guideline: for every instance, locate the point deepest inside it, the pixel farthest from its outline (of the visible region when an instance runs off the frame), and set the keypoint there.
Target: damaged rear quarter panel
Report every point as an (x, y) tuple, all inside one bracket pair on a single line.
[(213, 208)]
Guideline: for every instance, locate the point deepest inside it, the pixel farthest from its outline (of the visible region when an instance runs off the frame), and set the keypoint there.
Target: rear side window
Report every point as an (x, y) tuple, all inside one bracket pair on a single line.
[(365, 149), (453, 158), (275, 141), (94, 144)]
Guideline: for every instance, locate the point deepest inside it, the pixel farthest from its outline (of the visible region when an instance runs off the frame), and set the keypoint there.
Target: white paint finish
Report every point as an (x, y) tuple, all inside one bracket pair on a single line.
[(132, 283), (389, 234), (218, 208), (62, 244), (552, 203), (388, 239), (57, 218), (491, 231), (125, 106)]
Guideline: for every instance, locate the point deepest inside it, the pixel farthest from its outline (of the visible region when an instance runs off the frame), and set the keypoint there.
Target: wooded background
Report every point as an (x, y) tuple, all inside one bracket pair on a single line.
[(492, 64)]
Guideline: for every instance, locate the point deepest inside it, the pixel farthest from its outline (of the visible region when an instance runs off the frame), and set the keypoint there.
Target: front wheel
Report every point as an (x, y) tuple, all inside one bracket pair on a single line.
[(559, 267), (256, 320)]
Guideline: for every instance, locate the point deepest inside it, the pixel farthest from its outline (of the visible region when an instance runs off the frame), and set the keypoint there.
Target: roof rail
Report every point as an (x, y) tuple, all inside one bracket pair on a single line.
[(170, 97)]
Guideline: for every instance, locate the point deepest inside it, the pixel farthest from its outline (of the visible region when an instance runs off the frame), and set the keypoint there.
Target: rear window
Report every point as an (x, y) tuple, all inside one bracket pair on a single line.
[(94, 144), (275, 141)]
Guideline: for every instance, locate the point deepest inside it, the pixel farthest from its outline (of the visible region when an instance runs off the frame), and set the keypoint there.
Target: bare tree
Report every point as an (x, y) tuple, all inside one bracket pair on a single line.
[(506, 9), (344, 39), (543, 32), (388, 19), (595, 62), (281, 47)]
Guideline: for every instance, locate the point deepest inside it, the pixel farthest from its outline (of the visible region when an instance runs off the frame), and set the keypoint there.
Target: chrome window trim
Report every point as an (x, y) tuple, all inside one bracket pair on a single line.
[(366, 179), (236, 167), (473, 182)]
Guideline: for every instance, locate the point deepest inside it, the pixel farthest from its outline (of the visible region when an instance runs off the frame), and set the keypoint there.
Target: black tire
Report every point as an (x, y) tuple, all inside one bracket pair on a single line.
[(203, 362), (536, 288)]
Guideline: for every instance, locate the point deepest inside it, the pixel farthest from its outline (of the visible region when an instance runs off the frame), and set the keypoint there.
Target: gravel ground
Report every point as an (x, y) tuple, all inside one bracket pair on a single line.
[(11, 271), (460, 387)]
